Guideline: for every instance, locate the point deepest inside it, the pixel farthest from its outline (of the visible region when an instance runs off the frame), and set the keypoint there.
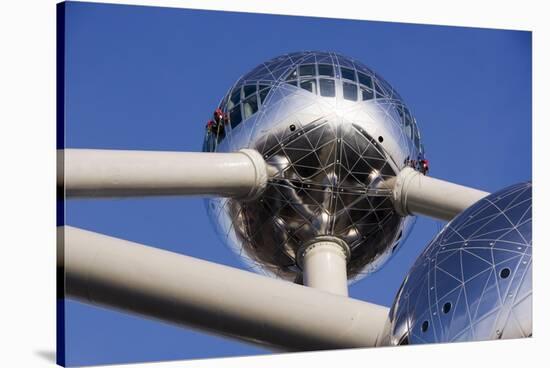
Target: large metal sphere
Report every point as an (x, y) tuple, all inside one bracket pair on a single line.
[(473, 281), (331, 129)]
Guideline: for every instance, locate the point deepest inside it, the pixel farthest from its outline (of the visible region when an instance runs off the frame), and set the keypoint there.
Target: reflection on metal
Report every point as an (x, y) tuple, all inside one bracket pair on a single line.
[(328, 145), (473, 281)]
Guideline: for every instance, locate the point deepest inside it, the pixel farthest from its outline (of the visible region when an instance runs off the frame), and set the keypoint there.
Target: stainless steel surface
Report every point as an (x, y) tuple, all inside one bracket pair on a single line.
[(473, 281), (418, 194), (115, 273), (121, 173), (331, 130)]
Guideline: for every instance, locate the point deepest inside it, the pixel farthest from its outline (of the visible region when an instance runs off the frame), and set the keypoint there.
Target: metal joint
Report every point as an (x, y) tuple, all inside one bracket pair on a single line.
[(260, 170), (400, 191), (310, 245)]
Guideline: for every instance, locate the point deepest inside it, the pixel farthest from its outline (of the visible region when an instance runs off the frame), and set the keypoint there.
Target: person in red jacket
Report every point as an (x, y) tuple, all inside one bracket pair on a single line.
[(216, 125), (216, 129), (424, 166), (218, 115)]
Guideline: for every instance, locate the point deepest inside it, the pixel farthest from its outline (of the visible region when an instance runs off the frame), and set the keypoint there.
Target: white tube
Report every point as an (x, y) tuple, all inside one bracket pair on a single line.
[(119, 173), (415, 193), (323, 263), (158, 284)]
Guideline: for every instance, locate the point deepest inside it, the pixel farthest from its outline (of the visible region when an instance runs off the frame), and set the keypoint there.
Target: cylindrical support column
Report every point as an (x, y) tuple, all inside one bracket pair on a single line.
[(119, 173), (324, 265), (415, 193), (158, 284)]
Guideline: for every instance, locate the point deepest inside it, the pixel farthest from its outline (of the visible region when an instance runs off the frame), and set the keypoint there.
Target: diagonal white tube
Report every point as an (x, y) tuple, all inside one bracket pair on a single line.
[(120, 173), (158, 284)]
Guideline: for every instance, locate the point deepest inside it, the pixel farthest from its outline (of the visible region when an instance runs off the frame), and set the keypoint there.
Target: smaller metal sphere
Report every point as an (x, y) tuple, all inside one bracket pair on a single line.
[(473, 281)]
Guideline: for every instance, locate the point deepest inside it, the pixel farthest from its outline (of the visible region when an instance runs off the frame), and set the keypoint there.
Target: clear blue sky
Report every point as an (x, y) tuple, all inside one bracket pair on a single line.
[(148, 78)]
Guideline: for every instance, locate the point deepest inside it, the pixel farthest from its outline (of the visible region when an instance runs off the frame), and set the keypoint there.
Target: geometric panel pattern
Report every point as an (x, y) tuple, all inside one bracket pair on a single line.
[(308, 70), (326, 184), (473, 281), (331, 131)]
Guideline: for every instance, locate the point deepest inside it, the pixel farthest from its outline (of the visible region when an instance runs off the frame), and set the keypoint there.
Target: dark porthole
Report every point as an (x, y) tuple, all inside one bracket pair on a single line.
[(380, 139), (504, 273), (292, 127), (425, 326), (447, 307)]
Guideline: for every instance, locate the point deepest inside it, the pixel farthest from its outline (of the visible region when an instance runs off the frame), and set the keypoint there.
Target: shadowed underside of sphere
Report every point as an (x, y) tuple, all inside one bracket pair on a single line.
[(324, 186), (473, 281), (331, 131)]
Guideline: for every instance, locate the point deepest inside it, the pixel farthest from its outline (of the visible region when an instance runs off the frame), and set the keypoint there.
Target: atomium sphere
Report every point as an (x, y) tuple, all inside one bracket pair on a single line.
[(473, 281), (332, 131)]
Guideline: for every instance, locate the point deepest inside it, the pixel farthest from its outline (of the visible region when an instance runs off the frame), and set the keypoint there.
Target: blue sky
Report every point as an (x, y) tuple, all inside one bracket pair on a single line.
[(148, 78)]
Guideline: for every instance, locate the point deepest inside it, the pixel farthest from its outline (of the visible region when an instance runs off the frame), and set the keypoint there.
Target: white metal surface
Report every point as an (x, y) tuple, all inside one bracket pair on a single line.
[(119, 173), (155, 283), (417, 194), (324, 266)]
